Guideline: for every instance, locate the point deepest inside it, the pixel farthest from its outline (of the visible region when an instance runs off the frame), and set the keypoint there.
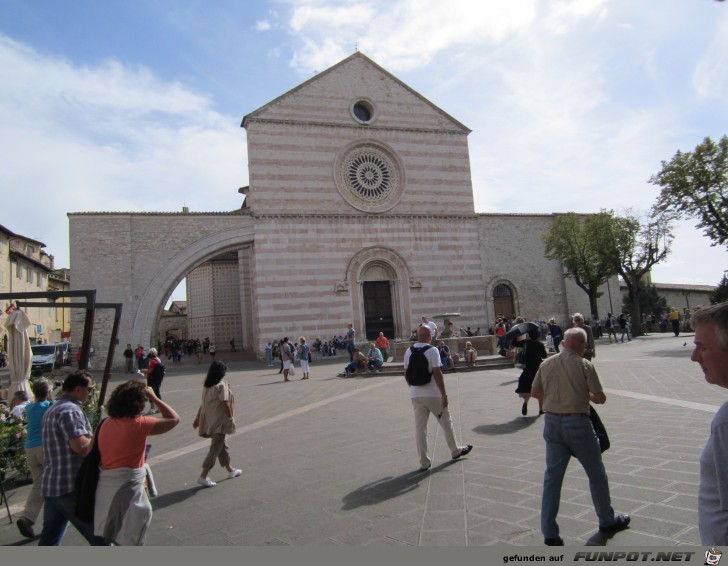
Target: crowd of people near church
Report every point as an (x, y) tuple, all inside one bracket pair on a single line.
[(173, 350)]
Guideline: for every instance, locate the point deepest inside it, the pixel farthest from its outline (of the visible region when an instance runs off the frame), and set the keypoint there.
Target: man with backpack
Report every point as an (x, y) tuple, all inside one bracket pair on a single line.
[(427, 393), (154, 375), (610, 323)]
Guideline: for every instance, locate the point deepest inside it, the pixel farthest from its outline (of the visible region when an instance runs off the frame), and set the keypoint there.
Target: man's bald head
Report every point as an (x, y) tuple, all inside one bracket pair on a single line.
[(424, 333), (575, 339)]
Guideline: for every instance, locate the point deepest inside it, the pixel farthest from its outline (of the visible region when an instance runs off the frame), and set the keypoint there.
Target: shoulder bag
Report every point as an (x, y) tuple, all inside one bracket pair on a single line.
[(599, 429), (87, 479)]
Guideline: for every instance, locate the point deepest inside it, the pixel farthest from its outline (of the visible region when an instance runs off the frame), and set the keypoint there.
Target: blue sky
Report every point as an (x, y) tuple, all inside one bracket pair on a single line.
[(136, 105)]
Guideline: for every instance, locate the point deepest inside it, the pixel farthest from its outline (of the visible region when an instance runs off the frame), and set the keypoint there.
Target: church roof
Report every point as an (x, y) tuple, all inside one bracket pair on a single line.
[(343, 63)]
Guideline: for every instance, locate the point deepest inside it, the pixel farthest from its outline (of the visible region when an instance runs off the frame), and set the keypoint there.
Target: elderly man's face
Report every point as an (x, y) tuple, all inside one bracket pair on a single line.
[(712, 358)]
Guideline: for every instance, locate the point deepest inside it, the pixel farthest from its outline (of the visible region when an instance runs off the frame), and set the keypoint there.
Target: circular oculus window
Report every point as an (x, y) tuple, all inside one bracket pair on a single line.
[(363, 111)]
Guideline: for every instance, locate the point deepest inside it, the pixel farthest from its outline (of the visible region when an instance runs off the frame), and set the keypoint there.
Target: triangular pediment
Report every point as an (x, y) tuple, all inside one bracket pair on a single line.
[(329, 98)]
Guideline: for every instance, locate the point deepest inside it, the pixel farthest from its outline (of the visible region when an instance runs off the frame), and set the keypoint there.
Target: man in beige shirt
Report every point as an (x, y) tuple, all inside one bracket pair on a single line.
[(565, 384)]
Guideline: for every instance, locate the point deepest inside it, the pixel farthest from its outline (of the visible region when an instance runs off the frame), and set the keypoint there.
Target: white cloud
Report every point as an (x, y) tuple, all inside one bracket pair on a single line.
[(401, 35), (562, 15), (263, 25), (108, 138), (710, 78), (330, 16), (690, 249)]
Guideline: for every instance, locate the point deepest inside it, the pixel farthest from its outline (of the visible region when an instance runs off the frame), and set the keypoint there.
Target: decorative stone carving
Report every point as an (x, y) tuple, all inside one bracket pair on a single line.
[(415, 283), (341, 287)]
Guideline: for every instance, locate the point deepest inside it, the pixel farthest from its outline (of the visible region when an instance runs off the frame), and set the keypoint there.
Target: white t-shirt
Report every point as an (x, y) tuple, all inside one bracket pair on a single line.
[(433, 361), (18, 410)]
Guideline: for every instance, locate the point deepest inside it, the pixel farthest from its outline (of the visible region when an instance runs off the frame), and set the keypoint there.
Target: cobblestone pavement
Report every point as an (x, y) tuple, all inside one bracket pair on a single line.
[(332, 461)]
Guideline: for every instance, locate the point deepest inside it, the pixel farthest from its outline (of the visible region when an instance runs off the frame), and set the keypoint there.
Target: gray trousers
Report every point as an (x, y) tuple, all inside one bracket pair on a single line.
[(218, 451)]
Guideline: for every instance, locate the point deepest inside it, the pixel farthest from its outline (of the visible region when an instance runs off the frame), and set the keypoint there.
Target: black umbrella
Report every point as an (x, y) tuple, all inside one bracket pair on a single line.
[(518, 330)]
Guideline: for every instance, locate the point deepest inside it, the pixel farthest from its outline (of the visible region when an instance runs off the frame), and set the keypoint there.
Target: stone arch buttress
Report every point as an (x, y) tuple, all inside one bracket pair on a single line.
[(164, 281)]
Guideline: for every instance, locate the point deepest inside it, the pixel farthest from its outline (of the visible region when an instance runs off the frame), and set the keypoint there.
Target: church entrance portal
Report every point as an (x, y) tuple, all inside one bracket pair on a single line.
[(378, 315), (503, 301)]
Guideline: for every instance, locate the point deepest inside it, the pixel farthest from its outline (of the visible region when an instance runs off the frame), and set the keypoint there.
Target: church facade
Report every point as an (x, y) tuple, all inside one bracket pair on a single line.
[(359, 209)]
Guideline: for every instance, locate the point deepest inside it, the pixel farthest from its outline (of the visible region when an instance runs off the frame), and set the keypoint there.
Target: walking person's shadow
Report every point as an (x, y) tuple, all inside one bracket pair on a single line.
[(388, 488)]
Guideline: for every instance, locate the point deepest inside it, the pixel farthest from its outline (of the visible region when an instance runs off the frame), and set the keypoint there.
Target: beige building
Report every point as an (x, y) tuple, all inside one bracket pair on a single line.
[(685, 296), (173, 323), (25, 267), (360, 209)]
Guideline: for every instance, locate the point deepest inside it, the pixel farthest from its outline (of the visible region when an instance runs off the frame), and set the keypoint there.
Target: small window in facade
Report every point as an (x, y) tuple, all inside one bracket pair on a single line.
[(19, 271), (39, 279), (363, 111), (28, 275)]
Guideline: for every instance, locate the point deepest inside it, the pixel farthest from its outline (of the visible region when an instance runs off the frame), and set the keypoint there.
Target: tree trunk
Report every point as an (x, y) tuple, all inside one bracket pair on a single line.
[(636, 314), (594, 312)]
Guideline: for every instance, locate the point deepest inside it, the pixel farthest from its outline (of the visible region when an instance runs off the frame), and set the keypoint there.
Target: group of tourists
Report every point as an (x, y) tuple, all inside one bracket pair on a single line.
[(172, 350), (60, 438), (111, 506), (288, 352)]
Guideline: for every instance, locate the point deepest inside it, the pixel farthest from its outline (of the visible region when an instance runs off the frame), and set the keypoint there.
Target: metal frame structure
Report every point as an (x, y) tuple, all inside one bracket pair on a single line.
[(22, 301), (91, 306)]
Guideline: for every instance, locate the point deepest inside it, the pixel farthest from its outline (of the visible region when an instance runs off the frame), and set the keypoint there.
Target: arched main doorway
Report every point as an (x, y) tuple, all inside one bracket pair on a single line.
[(503, 301), (377, 296), (379, 292)]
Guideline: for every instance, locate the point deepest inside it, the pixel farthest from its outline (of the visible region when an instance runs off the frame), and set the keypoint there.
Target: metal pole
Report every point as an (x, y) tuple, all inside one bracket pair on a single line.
[(609, 292), (112, 346)]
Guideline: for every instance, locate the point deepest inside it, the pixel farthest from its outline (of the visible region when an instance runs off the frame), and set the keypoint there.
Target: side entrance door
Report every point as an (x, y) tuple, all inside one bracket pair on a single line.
[(503, 301)]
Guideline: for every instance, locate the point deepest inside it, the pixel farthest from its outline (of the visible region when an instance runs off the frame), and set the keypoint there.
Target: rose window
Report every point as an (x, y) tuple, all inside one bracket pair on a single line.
[(369, 173)]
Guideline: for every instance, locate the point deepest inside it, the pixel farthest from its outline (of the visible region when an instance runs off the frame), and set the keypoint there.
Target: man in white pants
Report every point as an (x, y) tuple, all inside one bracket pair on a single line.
[(431, 398)]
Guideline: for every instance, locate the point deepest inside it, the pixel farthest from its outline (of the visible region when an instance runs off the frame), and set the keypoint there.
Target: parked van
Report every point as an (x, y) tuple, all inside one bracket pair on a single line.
[(47, 357), (44, 357)]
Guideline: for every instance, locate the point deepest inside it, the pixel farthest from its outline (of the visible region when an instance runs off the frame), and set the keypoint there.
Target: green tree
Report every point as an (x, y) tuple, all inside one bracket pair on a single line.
[(577, 241), (638, 243), (694, 185), (721, 292)]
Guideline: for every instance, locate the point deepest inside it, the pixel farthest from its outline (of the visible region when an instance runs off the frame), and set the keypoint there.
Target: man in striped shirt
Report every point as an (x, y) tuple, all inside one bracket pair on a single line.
[(67, 438)]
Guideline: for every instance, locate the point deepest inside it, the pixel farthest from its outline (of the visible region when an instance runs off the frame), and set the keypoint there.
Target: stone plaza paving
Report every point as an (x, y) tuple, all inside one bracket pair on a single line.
[(332, 461)]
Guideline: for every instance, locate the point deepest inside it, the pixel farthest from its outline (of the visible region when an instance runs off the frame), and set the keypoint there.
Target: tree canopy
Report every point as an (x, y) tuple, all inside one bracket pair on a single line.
[(694, 185), (578, 241), (721, 292), (639, 243)]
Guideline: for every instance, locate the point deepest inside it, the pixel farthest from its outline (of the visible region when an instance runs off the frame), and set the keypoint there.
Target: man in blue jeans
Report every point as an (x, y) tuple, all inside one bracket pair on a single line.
[(565, 384), (67, 438), (350, 341)]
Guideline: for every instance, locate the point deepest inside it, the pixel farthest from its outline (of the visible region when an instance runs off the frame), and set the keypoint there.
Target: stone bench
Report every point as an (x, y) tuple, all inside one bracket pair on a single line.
[(485, 345)]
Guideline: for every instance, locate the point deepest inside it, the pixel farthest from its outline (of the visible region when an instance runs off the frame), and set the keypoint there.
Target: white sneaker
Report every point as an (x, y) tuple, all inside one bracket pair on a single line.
[(235, 473), (206, 482)]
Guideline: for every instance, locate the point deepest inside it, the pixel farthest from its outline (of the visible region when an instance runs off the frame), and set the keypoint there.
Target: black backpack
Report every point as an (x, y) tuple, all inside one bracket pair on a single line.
[(418, 372), (158, 372)]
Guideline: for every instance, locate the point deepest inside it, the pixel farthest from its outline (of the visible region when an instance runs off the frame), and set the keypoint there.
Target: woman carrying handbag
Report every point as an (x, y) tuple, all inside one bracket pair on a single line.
[(215, 420)]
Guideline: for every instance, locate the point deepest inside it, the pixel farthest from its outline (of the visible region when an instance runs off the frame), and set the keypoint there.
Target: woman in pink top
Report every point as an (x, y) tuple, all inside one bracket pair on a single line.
[(123, 512)]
